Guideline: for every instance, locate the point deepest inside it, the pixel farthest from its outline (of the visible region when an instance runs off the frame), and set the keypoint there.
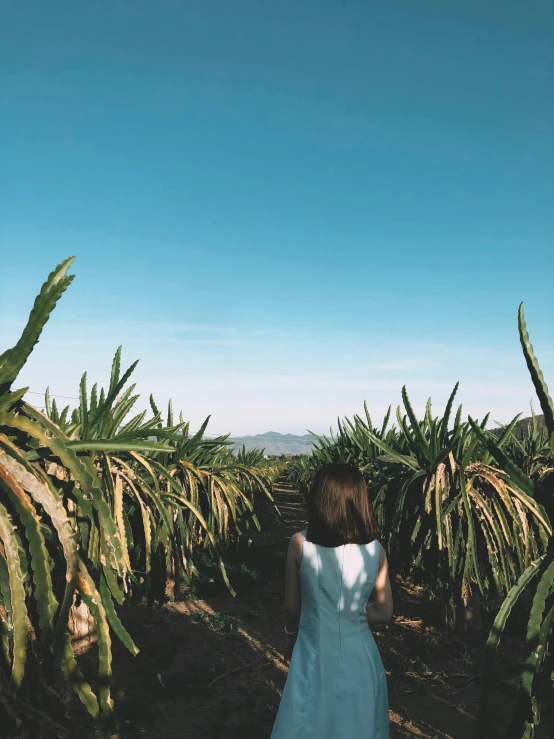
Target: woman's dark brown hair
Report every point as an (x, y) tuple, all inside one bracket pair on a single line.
[(339, 511)]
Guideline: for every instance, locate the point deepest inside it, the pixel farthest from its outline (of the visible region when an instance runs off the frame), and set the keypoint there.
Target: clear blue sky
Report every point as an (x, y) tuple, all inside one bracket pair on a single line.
[(282, 207)]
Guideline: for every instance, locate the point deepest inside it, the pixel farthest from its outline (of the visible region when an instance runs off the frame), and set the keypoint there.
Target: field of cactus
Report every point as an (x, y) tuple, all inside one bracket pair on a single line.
[(99, 504), (107, 507)]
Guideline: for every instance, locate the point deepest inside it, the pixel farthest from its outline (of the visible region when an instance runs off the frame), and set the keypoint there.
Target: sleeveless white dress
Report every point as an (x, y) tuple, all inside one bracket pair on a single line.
[(336, 686)]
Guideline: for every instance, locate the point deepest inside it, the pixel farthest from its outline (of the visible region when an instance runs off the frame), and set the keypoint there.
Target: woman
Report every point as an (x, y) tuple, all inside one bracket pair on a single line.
[(336, 687)]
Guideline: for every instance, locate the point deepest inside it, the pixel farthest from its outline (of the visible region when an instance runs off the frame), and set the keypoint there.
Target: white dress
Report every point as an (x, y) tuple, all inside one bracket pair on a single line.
[(336, 686)]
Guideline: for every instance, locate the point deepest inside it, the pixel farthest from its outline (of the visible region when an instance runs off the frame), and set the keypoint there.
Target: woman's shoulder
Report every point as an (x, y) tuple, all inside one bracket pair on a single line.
[(382, 553), (298, 538), (376, 548), (295, 546)]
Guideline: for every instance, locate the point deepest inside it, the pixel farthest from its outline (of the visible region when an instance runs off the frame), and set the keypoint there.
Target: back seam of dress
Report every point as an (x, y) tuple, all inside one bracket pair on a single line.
[(340, 604)]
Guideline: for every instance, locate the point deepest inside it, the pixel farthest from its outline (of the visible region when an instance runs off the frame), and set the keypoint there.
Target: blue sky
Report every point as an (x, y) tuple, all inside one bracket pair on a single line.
[(282, 208)]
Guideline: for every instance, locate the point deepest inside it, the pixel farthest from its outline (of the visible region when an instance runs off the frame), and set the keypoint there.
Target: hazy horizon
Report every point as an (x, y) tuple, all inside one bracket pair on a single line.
[(380, 386)]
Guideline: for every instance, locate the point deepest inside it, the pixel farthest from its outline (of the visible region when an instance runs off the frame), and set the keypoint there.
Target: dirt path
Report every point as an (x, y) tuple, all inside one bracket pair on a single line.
[(211, 666)]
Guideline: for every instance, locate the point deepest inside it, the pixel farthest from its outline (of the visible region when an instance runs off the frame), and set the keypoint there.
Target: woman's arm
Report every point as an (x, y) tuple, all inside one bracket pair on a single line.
[(292, 593), (292, 583), (380, 609)]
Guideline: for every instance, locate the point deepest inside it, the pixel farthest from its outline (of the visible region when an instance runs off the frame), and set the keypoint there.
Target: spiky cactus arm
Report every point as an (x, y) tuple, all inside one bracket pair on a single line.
[(12, 360), (536, 374)]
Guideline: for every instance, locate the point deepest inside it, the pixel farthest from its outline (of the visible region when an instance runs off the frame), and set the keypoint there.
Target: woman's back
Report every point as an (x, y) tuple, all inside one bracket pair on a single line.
[(336, 583), (336, 686)]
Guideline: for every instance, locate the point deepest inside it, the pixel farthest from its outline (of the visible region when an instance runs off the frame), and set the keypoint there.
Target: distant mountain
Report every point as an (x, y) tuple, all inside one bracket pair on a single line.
[(275, 443), (521, 426)]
